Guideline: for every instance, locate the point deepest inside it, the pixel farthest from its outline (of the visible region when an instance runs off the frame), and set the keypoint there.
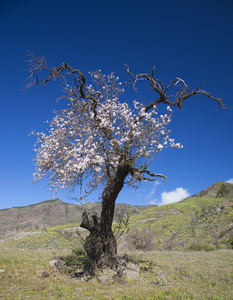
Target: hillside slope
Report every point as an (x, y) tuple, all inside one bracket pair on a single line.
[(218, 189), (51, 213), (191, 221), (196, 219)]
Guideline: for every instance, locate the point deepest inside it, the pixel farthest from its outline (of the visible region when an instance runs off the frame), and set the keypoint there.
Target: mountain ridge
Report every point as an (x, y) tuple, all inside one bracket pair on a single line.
[(163, 220), (212, 191), (51, 213)]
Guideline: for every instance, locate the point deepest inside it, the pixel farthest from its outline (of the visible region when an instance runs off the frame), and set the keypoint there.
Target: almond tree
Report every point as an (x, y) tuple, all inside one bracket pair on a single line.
[(103, 143)]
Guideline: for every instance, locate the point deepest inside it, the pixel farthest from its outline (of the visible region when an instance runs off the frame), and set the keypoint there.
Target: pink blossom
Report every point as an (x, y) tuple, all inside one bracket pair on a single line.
[(76, 147)]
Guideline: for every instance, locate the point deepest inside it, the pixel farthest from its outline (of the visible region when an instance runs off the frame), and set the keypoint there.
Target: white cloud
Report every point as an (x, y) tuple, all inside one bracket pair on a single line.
[(230, 180), (174, 196), (152, 192)]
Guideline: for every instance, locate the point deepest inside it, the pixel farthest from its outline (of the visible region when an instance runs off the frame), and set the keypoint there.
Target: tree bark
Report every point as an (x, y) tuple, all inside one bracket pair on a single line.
[(101, 245)]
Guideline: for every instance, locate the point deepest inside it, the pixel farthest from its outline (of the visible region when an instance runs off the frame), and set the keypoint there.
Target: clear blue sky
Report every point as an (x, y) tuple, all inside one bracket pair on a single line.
[(189, 39)]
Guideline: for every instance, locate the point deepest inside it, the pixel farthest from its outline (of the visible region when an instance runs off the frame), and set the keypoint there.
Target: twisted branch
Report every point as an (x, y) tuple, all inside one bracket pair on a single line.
[(81, 91), (156, 85), (135, 172), (37, 64)]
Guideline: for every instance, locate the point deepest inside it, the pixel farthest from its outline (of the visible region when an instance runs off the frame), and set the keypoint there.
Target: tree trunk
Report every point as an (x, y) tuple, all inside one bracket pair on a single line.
[(101, 245)]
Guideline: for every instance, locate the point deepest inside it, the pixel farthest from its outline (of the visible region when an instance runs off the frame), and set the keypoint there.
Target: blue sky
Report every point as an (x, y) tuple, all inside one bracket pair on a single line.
[(187, 39)]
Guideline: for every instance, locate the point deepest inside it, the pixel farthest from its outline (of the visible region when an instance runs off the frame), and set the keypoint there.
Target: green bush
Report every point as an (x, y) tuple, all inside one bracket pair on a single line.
[(78, 251), (201, 247), (230, 242), (222, 191)]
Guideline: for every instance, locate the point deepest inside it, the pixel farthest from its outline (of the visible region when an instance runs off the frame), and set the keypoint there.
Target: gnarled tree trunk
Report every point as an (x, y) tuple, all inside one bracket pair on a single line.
[(101, 245)]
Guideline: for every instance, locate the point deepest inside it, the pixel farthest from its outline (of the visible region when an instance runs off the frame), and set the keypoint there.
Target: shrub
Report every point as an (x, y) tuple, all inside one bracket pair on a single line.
[(78, 251), (222, 233), (222, 191), (201, 247), (230, 242), (141, 240), (170, 245)]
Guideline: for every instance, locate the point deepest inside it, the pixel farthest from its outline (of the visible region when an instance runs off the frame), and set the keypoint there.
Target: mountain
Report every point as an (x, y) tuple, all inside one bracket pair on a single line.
[(202, 218), (51, 213), (205, 218), (218, 189)]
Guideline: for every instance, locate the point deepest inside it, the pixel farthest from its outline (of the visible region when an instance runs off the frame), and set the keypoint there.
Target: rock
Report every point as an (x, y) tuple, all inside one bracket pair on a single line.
[(173, 235), (131, 275), (42, 273), (131, 271), (230, 227), (56, 264), (106, 276), (106, 279), (132, 267)]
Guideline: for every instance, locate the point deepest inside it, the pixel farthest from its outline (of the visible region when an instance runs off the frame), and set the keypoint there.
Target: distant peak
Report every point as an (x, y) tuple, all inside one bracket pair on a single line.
[(219, 189)]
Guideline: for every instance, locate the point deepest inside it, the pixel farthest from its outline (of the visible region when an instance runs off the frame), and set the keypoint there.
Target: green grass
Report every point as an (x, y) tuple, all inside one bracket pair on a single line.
[(200, 270), (164, 275), (192, 220), (49, 239)]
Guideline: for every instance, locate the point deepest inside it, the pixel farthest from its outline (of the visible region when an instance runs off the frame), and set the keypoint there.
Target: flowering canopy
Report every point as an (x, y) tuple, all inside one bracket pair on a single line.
[(99, 137), (101, 140), (90, 139)]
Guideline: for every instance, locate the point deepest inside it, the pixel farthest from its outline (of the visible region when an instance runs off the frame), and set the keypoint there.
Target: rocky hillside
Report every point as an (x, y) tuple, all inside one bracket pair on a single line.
[(205, 218), (217, 190), (51, 213)]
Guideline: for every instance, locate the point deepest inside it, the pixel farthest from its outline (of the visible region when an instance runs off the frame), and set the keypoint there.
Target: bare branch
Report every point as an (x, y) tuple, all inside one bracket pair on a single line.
[(39, 63), (180, 80), (121, 227), (139, 174), (182, 94), (156, 176), (79, 80), (134, 78)]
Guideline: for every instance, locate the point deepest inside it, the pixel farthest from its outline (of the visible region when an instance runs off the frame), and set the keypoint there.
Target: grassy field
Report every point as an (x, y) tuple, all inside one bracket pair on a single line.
[(201, 224), (164, 275)]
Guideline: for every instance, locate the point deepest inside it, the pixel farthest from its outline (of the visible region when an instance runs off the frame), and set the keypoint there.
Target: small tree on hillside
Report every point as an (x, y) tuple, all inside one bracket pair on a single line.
[(104, 143)]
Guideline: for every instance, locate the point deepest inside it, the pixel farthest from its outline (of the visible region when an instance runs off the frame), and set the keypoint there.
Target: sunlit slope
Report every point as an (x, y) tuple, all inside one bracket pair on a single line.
[(195, 219), (52, 213), (200, 219), (218, 189)]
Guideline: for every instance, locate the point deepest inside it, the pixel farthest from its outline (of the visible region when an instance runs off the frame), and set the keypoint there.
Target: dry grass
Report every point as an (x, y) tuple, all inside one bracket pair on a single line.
[(164, 275)]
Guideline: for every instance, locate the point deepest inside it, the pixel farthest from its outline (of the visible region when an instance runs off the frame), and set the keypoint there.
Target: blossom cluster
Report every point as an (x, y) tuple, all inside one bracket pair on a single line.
[(82, 144)]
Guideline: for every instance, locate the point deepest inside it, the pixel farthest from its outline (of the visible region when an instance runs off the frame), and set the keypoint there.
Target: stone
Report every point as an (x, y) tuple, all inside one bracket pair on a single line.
[(133, 267), (106, 279), (230, 227), (42, 273), (131, 271), (106, 276), (56, 264), (131, 275)]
